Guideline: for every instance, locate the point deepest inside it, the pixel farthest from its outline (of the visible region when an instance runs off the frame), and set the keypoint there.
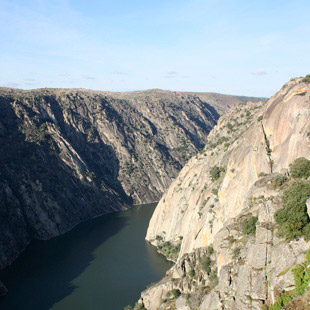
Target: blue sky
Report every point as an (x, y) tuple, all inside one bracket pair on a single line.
[(229, 46)]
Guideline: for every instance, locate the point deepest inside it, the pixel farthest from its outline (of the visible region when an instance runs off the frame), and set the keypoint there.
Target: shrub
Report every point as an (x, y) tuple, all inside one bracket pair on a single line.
[(282, 301), (139, 306), (301, 274), (249, 225), (216, 172), (278, 181), (293, 218), (302, 277), (300, 168), (210, 249), (213, 278), (260, 118), (128, 307), (175, 293), (215, 191), (205, 264), (170, 250), (306, 79), (236, 252), (230, 126), (308, 257), (191, 273)]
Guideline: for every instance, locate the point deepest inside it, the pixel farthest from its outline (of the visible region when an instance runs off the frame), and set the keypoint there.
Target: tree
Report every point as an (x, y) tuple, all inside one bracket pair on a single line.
[(300, 168)]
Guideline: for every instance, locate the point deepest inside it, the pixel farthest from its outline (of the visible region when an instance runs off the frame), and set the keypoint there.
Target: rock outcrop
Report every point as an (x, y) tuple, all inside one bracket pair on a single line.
[(69, 155), (234, 178)]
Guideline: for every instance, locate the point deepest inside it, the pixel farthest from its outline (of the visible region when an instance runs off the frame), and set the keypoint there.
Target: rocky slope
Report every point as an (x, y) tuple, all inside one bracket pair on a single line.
[(69, 155), (233, 179)]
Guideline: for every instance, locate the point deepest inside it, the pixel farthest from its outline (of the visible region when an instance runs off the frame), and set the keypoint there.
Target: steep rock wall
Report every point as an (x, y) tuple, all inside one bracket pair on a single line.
[(194, 206), (230, 180), (69, 155)]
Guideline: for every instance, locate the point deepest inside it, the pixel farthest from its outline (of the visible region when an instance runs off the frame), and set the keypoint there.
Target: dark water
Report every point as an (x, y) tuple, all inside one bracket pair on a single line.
[(101, 264)]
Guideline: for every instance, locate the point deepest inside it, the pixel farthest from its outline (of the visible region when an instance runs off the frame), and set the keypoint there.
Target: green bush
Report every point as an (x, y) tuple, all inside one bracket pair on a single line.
[(278, 181), (300, 168), (293, 218), (236, 253), (230, 126), (170, 250), (306, 79), (302, 277), (173, 294), (215, 191), (139, 306), (205, 264), (213, 278), (210, 249), (249, 225), (216, 172), (308, 257), (301, 274), (219, 141), (282, 301), (191, 273)]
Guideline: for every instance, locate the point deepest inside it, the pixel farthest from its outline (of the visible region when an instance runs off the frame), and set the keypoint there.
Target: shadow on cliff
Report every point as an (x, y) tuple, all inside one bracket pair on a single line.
[(27, 213), (99, 157), (43, 274), (61, 200)]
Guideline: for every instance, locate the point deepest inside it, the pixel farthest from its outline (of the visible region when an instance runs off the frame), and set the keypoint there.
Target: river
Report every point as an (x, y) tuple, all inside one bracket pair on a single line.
[(103, 263)]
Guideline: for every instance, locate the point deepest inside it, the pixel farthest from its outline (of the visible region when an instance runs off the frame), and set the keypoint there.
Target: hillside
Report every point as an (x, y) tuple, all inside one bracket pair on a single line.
[(217, 219), (68, 155)]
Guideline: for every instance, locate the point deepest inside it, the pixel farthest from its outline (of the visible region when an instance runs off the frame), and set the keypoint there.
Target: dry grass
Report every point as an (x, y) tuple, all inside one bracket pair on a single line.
[(300, 302)]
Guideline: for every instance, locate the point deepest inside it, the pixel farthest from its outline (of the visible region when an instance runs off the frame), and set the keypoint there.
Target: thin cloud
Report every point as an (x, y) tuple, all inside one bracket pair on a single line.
[(170, 74), (119, 73), (88, 77), (12, 84), (259, 72), (64, 74)]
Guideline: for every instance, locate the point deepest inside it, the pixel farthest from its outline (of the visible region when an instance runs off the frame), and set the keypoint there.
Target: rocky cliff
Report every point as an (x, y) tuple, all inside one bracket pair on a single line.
[(69, 155), (217, 220)]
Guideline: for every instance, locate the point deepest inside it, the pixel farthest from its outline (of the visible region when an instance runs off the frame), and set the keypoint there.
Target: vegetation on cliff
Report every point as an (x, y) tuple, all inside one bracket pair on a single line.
[(293, 218), (244, 209)]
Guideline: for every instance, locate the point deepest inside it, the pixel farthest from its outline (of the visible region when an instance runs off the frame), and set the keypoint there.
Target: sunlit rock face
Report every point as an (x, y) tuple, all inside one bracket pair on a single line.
[(222, 185)]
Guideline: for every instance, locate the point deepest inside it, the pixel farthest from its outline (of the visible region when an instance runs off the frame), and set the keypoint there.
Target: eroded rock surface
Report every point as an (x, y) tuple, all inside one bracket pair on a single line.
[(69, 155), (233, 179)]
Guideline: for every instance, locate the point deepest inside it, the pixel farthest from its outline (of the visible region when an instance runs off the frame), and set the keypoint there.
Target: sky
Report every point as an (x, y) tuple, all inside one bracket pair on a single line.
[(240, 47)]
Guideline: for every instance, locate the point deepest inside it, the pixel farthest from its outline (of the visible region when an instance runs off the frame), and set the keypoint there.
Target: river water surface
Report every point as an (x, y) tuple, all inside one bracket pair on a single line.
[(103, 263)]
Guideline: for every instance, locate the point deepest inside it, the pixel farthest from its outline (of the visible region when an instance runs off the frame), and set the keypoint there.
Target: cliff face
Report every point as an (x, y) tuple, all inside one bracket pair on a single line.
[(69, 155), (229, 181)]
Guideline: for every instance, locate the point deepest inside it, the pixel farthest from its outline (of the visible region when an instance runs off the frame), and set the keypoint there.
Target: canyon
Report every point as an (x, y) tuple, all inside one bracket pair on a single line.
[(68, 155)]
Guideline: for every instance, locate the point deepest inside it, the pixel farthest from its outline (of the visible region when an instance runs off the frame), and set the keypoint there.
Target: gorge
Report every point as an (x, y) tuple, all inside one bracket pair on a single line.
[(68, 155), (222, 168)]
